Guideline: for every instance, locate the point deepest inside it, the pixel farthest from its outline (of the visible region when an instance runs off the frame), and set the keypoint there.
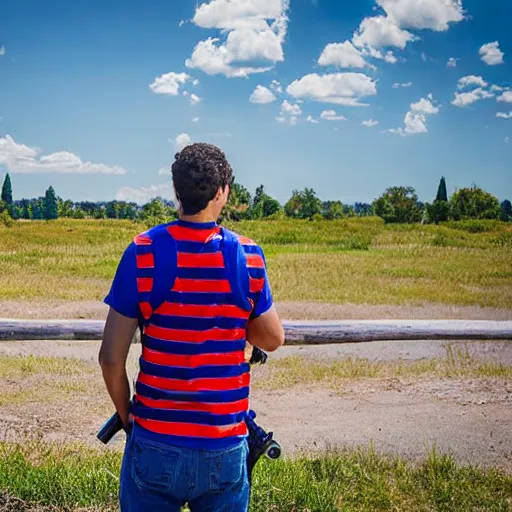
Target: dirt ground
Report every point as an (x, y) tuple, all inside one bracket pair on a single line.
[(468, 417), (40, 309)]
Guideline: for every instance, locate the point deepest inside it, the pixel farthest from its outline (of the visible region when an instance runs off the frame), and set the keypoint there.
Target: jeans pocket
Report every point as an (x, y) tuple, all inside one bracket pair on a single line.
[(154, 467), (227, 468)]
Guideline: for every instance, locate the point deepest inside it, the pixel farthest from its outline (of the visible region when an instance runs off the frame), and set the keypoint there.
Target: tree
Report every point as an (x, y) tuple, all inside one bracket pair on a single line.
[(263, 205), (438, 211), (506, 211), (398, 205), (332, 210), (38, 209), (50, 204), (303, 205), (363, 209), (7, 190), (442, 195), (474, 203), (65, 208)]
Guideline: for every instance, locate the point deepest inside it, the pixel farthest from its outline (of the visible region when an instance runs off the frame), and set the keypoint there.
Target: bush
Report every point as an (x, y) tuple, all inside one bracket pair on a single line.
[(474, 203), (399, 205), (474, 226), (6, 219)]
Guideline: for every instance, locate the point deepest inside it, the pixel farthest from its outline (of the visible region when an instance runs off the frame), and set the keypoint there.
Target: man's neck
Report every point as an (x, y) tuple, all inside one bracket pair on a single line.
[(199, 218)]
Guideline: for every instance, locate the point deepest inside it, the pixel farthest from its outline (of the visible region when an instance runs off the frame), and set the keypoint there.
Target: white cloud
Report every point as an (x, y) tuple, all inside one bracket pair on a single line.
[(195, 120), (182, 140), (330, 115), (504, 115), (311, 119), (193, 98), (262, 95), (343, 55), (256, 31), (470, 80), (468, 98), (2, 50), (424, 14), (507, 140), (379, 31), (398, 85), (144, 194), (497, 88), (452, 62), (276, 86), (491, 54), (370, 123), (289, 113), (169, 83), (22, 159), (416, 118), (195, 82), (506, 97), (336, 88)]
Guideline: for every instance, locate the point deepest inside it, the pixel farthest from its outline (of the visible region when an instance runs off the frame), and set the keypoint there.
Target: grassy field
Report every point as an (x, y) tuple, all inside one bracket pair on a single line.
[(358, 261), (68, 477)]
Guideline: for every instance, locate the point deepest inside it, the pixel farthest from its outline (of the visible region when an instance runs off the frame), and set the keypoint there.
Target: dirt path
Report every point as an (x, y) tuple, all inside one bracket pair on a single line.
[(39, 309), (471, 418)]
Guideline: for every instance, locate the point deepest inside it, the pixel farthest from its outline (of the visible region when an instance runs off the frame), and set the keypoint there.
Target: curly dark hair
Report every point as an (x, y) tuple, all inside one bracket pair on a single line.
[(198, 172)]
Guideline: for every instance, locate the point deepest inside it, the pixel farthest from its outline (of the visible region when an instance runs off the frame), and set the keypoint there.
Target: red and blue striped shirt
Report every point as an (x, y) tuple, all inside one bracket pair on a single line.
[(193, 384)]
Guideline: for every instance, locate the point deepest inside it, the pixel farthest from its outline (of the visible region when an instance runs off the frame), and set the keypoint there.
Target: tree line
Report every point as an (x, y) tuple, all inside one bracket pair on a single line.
[(396, 205)]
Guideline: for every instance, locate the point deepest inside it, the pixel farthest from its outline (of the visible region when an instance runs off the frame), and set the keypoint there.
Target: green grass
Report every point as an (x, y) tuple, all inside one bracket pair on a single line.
[(68, 477), (294, 371), (360, 261)]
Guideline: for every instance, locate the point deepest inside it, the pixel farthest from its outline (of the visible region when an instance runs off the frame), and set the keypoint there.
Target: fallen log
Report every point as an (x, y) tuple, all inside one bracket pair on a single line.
[(297, 332)]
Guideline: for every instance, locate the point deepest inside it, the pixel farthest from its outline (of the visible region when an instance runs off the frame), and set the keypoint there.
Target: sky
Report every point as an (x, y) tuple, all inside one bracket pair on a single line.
[(348, 98)]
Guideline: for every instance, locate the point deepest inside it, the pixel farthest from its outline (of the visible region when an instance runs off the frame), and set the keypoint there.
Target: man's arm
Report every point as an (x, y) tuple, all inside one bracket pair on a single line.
[(120, 326), (266, 331), (117, 337)]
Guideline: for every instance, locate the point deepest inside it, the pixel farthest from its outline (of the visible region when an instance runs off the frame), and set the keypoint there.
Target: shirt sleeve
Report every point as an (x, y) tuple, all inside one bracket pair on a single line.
[(263, 299), (123, 295)]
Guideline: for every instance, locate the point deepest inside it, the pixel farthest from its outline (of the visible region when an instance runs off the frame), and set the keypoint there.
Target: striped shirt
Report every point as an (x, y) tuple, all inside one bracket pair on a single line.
[(193, 384)]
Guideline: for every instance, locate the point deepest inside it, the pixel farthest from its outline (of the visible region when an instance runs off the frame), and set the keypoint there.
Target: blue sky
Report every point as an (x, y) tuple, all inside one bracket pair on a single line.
[(97, 96)]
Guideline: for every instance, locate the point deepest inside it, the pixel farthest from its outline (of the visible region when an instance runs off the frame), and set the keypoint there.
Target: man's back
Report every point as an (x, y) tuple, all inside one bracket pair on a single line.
[(198, 306)]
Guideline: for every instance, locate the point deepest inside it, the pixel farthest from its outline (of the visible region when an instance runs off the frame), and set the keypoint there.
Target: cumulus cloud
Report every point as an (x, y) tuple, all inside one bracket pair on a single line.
[(195, 120), (289, 113), (379, 31), (370, 123), (452, 62), (2, 50), (262, 95), (330, 115), (342, 55), (169, 84), (467, 81), (415, 120), (464, 99), (276, 86), (22, 159), (491, 54), (427, 14), (194, 99), (506, 97), (182, 140), (144, 194), (256, 30), (311, 119), (504, 115), (398, 85), (336, 88)]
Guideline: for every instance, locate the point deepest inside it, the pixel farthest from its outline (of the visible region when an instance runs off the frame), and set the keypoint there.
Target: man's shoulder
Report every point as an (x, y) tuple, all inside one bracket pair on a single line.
[(246, 242), (152, 234)]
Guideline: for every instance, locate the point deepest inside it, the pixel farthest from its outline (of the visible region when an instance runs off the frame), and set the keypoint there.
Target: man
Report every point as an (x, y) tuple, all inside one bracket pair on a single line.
[(186, 434)]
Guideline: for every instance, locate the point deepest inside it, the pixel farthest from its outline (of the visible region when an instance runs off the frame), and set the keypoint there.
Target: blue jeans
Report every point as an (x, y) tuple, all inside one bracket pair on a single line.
[(157, 477)]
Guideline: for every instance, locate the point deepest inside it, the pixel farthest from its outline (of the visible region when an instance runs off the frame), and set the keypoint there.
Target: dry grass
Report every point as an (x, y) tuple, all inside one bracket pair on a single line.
[(298, 371), (358, 261)]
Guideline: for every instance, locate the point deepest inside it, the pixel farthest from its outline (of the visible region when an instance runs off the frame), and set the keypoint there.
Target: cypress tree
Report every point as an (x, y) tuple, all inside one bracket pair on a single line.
[(51, 205), (442, 195), (7, 190)]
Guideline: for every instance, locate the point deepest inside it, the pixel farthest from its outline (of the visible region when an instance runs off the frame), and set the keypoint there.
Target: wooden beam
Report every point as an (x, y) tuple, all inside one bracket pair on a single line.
[(297, 332)]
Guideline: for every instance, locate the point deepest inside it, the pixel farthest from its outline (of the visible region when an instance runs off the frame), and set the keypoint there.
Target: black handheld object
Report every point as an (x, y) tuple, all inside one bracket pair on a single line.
[(110, 428), (260, 443)]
